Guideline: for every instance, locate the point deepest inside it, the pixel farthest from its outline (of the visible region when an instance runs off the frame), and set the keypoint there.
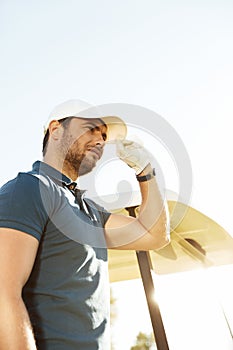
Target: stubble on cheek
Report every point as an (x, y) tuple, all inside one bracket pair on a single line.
[(87, 164), (75, 157)]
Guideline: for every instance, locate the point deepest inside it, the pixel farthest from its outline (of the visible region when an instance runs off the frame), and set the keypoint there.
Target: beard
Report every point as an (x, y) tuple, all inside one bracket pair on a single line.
[(75, 157)]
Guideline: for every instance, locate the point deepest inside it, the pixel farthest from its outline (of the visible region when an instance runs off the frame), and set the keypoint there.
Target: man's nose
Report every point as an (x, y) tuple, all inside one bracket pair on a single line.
[(99, 138)]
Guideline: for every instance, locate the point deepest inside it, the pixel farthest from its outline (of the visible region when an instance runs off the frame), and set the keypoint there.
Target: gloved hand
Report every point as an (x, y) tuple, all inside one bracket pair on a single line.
[(133, 154)]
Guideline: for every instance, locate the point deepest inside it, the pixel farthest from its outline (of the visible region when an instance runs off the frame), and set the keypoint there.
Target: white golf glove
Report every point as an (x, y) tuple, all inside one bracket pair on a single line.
[(133, 154)]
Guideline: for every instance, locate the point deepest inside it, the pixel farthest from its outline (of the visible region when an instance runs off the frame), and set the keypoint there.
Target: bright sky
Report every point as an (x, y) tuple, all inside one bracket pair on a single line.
[(173, 57)]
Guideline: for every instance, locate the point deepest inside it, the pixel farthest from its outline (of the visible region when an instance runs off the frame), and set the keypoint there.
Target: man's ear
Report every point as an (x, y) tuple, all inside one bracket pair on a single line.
[(55, 129)]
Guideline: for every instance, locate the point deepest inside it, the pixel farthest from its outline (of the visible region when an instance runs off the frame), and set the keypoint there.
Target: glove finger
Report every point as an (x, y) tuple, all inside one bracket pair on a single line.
[(127, 142)]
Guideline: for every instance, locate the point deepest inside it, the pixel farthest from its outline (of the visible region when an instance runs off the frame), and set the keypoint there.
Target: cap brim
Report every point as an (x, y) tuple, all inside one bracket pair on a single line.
[(116, 128)]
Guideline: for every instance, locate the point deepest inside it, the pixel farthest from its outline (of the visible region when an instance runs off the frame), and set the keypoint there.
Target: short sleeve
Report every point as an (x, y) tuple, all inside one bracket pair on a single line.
[(22, 206)]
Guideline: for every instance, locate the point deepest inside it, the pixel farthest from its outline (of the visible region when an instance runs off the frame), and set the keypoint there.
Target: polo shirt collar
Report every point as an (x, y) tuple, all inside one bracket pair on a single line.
[(53, 173), (41, 167)]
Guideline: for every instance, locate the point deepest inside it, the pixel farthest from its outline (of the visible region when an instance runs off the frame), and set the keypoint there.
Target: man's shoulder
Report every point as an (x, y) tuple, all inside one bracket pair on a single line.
[(21, 180), (25, 204), (26, 183), (24, 180)]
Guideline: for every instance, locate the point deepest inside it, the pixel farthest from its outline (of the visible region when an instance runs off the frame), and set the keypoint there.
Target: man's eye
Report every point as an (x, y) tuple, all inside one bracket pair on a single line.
[(104, 136), (93, 129)]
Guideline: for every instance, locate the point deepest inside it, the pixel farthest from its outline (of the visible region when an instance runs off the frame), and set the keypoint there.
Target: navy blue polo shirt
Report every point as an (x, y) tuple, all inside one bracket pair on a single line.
[(67, 294)]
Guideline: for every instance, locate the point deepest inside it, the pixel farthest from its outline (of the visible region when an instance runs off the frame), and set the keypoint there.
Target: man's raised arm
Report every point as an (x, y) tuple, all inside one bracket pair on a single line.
[(150, 230)]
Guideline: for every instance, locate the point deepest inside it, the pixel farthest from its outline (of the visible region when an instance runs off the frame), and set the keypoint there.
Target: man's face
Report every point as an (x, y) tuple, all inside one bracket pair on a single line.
[(82, 144)]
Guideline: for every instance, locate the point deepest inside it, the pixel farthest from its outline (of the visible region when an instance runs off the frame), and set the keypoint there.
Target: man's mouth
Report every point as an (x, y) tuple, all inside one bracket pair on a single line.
[(96, 152)]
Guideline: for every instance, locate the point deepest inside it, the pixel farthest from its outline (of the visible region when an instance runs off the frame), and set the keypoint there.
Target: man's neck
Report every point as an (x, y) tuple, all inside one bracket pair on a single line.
[(62, 167)]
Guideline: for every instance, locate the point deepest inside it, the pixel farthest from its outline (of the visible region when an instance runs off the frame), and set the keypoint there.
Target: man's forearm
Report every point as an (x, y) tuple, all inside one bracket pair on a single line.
[(153, 215), (15, 327)]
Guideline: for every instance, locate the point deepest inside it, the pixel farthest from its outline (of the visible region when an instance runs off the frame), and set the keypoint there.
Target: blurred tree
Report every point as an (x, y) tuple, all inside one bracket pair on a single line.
[(144, 342), (113, 313)]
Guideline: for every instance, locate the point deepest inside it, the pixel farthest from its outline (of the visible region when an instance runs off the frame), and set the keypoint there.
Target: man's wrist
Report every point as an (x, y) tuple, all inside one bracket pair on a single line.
[(149, 174)]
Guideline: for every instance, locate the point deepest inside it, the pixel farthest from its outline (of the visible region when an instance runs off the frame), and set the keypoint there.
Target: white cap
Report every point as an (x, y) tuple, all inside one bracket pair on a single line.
[(116, 128)]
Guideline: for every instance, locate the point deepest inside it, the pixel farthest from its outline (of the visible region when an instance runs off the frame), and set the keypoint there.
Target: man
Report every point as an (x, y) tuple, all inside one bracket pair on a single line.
[(53, 241)]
